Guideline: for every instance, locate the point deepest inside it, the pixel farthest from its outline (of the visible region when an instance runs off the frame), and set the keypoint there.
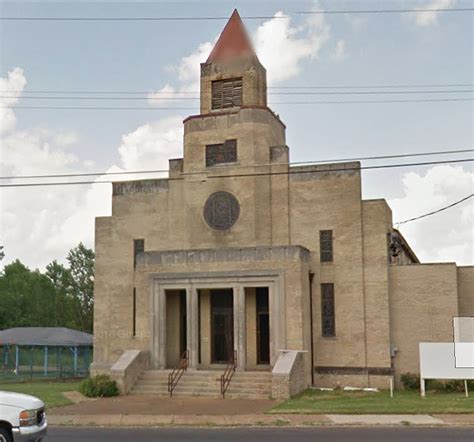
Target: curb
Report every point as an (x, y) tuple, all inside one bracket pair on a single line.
[(281, 420)]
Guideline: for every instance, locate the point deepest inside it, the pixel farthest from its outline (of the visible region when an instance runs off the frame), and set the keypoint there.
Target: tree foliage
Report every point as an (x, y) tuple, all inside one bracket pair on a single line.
[(59, 297)]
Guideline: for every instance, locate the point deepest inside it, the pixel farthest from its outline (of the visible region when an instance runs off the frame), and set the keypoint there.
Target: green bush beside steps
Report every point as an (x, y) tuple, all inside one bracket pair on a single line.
[(99, 386)]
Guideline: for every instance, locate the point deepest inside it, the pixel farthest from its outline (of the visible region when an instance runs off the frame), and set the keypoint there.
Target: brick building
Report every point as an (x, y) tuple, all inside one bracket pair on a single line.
[(238, 257)]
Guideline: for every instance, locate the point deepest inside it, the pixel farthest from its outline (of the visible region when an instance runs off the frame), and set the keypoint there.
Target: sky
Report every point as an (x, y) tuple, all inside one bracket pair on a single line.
[(40, 224)]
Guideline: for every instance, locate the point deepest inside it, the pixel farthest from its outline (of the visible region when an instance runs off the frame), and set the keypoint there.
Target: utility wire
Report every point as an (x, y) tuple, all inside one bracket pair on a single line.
[(252, 17), (247, 175), (435, 211), (421, 100), (155, 97), (380, 86), (308, 163)]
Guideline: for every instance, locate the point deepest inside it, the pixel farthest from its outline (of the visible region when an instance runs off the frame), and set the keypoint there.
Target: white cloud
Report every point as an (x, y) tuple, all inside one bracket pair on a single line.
[(11, 89), (152, 144), (428, 18), (39, 224), (340, 51), (33, 218), (188, 72), (282, 48), (448, 235)]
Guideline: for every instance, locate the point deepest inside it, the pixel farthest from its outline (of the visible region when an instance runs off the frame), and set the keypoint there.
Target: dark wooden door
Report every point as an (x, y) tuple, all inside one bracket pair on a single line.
[(222, 326), (263, 326)]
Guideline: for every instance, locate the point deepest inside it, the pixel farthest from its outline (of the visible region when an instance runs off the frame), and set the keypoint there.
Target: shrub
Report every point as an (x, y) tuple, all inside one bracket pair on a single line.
[(410, 381), (99, 386), (454, 385), (435, 385)]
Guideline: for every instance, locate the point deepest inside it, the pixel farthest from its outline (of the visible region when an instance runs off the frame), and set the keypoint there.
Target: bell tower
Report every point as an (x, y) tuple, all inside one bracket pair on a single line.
[(235, 127), (232, 76)]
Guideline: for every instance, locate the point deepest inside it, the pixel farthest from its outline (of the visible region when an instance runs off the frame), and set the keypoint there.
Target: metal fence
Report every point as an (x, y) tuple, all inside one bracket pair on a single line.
[(23, 362)]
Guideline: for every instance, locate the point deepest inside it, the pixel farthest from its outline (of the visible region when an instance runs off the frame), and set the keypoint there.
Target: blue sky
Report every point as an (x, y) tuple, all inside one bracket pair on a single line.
[(382, 49)]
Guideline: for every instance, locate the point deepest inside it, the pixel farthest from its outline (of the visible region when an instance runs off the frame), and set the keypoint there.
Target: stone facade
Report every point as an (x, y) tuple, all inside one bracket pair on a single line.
[(385, 301)]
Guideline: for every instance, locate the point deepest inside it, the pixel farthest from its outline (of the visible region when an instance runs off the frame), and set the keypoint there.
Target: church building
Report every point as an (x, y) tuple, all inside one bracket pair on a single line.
[(243, 276)]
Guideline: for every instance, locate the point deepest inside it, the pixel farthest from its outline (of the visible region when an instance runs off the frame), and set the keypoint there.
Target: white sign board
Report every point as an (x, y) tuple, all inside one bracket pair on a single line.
[(464, 342), (438, 360)]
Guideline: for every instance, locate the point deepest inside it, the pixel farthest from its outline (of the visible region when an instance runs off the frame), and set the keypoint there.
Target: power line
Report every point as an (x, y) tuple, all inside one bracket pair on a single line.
[(155, 97), (252, 17), (428, 100), (247, 175), (339, 160), (380, 86), (435, 211)]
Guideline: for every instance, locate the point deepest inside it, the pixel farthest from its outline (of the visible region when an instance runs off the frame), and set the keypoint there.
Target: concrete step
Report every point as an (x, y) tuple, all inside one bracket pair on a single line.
[(185, 380), (213, 376), (200, 393), (250, 385)]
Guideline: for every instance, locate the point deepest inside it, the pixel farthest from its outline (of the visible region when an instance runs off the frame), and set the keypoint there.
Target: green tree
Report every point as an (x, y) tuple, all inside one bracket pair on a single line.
[(81, 266), (2, 253), (64, 302), (59, 297), (25, 297)]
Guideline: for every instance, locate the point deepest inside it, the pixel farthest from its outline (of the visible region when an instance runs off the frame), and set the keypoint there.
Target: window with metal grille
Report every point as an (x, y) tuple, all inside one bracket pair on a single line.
[(227, 93), (138, 247), (325, 245), (328, 315), (221, 153)]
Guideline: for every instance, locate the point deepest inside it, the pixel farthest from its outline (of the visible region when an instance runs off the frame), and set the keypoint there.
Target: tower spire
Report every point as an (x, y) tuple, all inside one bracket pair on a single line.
[(233, 41)]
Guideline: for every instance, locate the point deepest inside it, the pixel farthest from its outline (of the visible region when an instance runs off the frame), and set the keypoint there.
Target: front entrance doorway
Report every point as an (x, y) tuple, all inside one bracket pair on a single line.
[(222, 325)]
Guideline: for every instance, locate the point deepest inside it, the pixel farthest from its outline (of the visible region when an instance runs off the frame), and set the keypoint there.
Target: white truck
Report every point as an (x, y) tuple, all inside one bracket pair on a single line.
[(22, 418)]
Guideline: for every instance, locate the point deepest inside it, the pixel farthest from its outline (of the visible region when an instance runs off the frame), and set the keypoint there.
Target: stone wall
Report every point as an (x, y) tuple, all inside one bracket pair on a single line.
[(466, 290), (328, 197), (377, 222), (423, 302)]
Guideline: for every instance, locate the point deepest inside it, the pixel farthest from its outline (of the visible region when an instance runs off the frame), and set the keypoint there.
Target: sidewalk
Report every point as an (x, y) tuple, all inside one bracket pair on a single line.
[(283, 420), (152, 411)]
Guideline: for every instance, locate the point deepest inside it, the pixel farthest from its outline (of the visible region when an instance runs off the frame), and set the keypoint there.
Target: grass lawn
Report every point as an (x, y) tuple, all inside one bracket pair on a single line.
[(49, 392), (410, 402)]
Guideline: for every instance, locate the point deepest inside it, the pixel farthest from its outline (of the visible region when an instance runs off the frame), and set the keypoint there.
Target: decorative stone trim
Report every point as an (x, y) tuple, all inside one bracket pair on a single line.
[(141, 186), (278, 253), (235, 112)]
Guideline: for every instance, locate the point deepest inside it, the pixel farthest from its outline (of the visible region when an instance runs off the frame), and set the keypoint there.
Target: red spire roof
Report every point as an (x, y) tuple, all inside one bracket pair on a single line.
[(233, 41)]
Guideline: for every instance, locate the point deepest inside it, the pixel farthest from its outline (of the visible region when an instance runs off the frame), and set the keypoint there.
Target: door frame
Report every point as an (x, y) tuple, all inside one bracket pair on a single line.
[(195, 281)]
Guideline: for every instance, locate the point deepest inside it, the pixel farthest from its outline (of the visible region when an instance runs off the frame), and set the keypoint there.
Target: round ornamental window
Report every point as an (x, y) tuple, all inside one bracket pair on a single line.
[(221, 210)]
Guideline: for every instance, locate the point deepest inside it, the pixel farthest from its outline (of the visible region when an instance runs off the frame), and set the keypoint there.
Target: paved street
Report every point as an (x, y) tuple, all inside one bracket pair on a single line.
[(263, 434)]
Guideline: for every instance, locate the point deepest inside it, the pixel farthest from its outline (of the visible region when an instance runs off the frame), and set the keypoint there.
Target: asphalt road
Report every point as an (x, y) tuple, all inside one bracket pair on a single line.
[(262, 434)]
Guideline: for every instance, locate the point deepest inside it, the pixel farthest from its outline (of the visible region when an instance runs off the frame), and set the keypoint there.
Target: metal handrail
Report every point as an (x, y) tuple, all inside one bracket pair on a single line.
[(175, 375), (228, 373)]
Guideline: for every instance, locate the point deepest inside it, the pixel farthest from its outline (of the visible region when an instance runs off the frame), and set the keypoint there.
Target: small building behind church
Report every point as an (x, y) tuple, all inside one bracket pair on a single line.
[(240, 261)]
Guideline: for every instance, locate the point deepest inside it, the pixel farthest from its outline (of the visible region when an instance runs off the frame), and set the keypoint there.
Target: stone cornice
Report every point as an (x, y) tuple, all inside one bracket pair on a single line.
[(232, 254)]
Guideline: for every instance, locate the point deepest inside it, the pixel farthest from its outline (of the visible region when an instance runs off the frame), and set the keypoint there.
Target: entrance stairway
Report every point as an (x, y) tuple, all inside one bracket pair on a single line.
[(244, 384)]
